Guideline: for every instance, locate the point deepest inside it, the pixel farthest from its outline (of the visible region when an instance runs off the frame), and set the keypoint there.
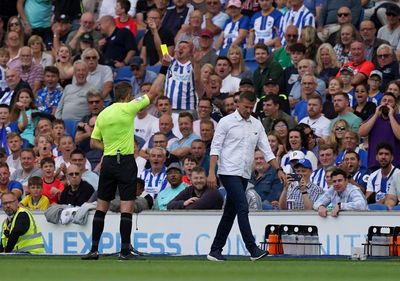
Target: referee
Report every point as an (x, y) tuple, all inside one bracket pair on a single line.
[(113, 133)]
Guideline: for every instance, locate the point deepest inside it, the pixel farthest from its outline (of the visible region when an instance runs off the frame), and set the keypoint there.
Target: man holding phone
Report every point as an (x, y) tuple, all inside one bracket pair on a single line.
[(298, 192)]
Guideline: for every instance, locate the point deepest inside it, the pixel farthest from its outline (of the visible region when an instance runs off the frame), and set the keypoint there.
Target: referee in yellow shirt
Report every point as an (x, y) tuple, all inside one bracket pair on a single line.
[(113, 133)]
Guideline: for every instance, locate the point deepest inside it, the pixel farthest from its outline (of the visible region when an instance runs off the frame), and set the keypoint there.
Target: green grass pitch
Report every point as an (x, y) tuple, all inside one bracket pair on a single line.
[(180, 268)]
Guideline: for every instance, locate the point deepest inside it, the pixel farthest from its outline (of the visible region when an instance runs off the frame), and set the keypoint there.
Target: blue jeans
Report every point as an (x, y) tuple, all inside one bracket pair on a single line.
[(236, 204)]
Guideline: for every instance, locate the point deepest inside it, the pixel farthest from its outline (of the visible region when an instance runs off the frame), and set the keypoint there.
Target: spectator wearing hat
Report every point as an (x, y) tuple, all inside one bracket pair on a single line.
[(267, 68), (272, 87), (206, 53), (99, 75), (387, 65), (342, 197), (123, 19), (86, 25), (272, 111), (391, 31), (264, 25), (140, 74), (192, 30), (174, 187), (60, 28), (236, 27), (119, 46), (246, 85), (299, 189), (156, 35), (86, 42), (361, 67), (346, 76), (374, 83)]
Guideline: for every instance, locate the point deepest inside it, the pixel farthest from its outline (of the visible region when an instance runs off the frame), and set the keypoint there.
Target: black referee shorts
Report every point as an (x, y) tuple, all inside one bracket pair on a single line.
[(115, 175)]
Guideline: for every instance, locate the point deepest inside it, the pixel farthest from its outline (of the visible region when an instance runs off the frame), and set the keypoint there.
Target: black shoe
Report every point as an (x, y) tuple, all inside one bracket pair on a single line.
[(129, 256), (258, 254), (91, 256), (215, 256)]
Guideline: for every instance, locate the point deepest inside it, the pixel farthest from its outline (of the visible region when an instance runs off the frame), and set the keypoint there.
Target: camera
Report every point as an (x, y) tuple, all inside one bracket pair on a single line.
[(295, 177), (385, 111)]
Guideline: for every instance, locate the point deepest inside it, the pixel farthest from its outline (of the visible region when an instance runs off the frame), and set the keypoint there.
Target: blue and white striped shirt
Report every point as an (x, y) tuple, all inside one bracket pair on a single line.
[(231, 31), (318, 178), (265, 27), (179, 85), (299, 18), (380, 185), (154, 183)]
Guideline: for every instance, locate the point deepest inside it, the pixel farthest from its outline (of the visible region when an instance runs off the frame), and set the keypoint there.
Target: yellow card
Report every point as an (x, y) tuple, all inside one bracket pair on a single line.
[(164, 49)]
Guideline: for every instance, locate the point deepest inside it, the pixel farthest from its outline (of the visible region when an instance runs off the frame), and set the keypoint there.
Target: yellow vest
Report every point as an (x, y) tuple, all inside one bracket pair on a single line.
[(31, 241)]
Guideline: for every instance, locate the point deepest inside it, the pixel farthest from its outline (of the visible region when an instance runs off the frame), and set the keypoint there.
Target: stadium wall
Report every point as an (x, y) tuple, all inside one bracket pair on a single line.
[(191, 233)]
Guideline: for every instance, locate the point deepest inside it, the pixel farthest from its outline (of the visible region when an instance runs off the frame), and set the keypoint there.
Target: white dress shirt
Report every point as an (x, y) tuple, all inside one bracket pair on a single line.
[(235, 141)]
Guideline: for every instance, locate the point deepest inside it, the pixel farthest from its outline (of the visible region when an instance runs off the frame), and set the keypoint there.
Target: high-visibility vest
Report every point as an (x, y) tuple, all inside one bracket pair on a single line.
[(31, 241)]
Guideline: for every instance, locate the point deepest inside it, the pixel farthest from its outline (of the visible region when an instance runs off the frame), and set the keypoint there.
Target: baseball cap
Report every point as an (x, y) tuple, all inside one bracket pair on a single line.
[(376, 73), (174, 166), (136, 61), (271, 81), (347, 69), (296, 155), (246, 81), (63, 18), (87, 37), (206, 33), (234, 3), (304, 163)]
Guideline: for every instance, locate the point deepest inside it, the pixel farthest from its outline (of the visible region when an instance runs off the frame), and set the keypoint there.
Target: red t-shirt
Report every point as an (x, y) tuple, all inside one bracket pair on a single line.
[(47, 186), (130, 24), (365, 68)]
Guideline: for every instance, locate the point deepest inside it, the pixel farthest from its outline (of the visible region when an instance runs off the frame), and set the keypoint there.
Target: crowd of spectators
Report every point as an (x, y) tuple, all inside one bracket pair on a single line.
[(325, 73)]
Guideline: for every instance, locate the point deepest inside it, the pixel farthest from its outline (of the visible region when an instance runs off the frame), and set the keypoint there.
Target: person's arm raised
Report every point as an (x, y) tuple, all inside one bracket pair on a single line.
[(158, 84)]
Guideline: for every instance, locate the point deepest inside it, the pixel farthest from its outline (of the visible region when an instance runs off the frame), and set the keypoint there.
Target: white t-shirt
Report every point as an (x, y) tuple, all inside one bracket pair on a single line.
[(146, 126), (320, 126)]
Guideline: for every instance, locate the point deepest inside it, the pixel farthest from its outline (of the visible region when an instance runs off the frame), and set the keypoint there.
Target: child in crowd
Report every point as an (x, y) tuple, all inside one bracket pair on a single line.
[(35, 200), (4, 58), (57, 132), (48, 97), (189, 162), (52, 185), (374, 83), (43, 145)]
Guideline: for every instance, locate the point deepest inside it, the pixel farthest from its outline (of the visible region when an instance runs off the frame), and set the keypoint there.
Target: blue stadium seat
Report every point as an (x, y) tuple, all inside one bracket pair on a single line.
[(249, 55), (70, 127), (223, 52), (155, 68)]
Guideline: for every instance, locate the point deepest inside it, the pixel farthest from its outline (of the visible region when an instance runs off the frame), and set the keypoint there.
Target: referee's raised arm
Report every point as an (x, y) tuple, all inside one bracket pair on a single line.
[(158, 84)]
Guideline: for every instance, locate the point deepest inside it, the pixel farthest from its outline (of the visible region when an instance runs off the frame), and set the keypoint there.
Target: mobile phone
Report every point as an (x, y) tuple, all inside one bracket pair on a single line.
[(295, 177)]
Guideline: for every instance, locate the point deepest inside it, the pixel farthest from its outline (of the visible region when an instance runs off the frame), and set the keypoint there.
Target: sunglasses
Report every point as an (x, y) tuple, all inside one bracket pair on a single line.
[(14, 24), (343, 15), (91, 58), (73, 174), (291, 35), (383, 56), (340, 128)]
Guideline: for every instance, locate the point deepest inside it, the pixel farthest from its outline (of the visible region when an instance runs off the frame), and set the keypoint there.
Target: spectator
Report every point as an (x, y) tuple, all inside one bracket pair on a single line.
[(297, 13), (239, 70), (14, 142), (223, 68), (140, 74), (154, 37), (343, 196), (29, 71), (35, 200), (206, 53), (176, 16), (338, 129), (4, 58), (391, 31), (64, 65), (145, 124), (214, 19), (374, 83), (272, 111), (303, 193), (347, 34), (15, 24), (6, 126), (77, 191), (393, 196), (14, 85), (199, 151), (368, 35), (207, 130), (155, 178), (380, 181), (158, 139), (326, 156), (261, 23), (387, 64), (119, 46), (315, 119), (52, 185), (28, 168), (309, 38), (175, 186), (204, 110), (277, 147), (86, 26), (351, 164), (297, 53), (327, 63), (123, 19), (7, 185), (267, 68), (48, 97), (36, 16), (341, 105), (78, 158), (346, 76), (163, 105), (192, 30), (198, 195), (60, 29), (181, 147), (363, 108), (281, 128), (235, 29), (189, 162), (266, 182), (13, 44), (351, 142), (108, 7), (180, 88), (282, 54), (73, 103), (39, 54), (383, 125), (99, 75)]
